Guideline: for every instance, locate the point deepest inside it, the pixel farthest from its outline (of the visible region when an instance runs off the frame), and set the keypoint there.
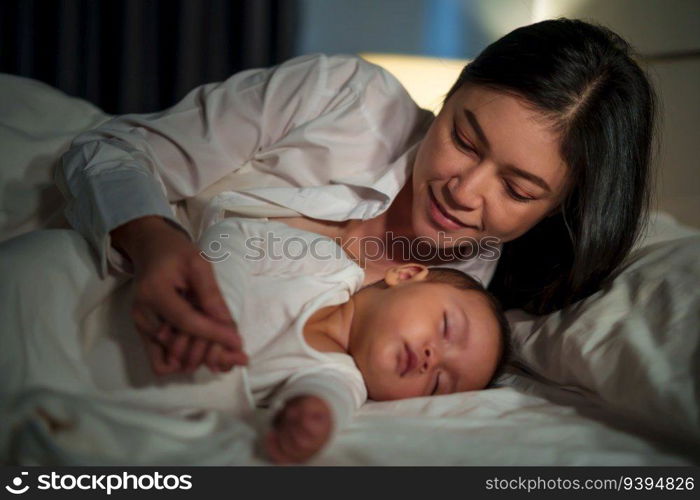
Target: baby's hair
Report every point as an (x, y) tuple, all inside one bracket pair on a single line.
[(463, 281)]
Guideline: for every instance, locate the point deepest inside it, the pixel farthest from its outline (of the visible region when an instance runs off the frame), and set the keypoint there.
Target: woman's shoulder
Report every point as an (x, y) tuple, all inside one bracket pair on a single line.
[(331, 73), (349, 65)]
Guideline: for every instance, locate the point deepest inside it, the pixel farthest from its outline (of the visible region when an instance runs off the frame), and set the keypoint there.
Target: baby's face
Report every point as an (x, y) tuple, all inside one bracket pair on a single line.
[(423, 339)]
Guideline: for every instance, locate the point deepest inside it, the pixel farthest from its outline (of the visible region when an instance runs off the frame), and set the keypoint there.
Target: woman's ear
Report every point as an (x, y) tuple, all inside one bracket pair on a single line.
[(405, 273)]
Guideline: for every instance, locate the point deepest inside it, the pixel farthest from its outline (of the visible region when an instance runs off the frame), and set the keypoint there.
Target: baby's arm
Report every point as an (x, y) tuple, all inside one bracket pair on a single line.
[(299, 430), (309, 410)]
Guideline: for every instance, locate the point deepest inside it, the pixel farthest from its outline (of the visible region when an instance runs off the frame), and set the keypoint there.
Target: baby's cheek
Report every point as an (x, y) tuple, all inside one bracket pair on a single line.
[(380, 373), (379, 387), (397, 388), (415, 389)]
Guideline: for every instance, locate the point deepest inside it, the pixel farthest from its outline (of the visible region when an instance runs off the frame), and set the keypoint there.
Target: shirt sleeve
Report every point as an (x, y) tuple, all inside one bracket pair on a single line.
[(339, 386), (139, 164)]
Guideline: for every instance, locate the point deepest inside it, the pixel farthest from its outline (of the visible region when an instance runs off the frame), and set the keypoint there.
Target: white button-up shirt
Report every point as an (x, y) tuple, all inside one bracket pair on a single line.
[(327, 137)]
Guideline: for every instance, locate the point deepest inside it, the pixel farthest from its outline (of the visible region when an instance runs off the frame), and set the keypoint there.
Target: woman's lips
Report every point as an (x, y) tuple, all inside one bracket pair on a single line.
[(440, 216), (408, 361)]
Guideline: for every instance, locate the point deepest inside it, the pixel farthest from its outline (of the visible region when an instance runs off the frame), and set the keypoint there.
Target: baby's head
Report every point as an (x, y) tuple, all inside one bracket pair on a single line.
[(424, 331)]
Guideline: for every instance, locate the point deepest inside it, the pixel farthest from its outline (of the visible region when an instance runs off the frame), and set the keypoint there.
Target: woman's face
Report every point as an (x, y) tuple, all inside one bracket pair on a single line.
[(488, 166)]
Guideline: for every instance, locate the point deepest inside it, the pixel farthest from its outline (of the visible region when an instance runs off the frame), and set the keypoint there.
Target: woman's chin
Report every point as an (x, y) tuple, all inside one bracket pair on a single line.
[(424, 228), (438, 237)]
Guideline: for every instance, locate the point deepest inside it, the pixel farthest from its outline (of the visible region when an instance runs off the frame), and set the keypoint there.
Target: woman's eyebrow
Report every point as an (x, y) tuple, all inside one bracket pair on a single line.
[(535, 179)]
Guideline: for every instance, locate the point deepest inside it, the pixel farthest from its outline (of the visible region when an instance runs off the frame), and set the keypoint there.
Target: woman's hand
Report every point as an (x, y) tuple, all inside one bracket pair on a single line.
[(194, 353), (175, 292), (299, 430)]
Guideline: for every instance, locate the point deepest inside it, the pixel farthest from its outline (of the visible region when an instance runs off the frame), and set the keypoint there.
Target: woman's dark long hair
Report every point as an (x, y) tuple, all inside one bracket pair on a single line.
[(583, 79)]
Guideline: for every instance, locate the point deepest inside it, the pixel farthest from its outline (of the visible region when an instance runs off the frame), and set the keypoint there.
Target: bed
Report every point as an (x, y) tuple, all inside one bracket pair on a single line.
[(611, 380)]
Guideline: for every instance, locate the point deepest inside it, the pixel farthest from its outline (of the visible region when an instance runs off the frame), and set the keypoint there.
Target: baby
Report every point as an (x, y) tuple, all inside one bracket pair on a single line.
[(319, 345)]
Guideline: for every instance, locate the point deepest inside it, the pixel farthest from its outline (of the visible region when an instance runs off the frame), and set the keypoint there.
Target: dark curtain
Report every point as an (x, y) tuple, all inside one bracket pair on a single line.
[(141, 55)]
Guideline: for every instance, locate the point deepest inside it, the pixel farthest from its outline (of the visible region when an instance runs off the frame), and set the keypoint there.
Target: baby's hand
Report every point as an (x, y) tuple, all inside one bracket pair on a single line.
[(299, 430)]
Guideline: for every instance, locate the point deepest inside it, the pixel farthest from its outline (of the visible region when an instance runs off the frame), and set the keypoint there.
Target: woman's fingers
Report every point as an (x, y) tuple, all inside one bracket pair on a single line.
[(156, 352), (164, 335), (177, 311), (176, 285), (212, 357), (219, 359), (229, 358), (158, 358), (206, 291), (206, 294), (198, 349), (146, 322), (179, 347), (188, 352)]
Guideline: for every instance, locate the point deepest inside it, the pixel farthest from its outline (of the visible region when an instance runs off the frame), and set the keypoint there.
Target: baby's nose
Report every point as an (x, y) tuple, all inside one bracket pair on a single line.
[(429, 359)]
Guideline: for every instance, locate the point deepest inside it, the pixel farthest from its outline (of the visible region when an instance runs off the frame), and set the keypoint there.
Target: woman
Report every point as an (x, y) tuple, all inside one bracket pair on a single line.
[(543, 144)]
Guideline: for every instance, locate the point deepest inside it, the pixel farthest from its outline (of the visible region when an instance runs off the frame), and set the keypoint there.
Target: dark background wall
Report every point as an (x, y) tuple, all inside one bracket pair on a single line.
[(144, 55), (444, 28), (141, 55)]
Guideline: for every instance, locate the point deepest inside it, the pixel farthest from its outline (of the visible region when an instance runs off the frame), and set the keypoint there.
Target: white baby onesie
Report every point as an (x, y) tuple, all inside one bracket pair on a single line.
[(273, 277)]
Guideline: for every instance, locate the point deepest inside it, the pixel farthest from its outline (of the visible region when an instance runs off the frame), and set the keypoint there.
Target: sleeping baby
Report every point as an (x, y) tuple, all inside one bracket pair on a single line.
[(319, 345)]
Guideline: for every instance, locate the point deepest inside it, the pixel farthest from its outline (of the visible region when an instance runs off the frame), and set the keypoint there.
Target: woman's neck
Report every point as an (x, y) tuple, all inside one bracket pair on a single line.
[(398, 215), (394, 221), (388, 239), (391, 227)]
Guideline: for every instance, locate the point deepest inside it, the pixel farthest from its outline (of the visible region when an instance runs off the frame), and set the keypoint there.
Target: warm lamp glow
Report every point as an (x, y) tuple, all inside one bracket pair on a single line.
[(427, 79)]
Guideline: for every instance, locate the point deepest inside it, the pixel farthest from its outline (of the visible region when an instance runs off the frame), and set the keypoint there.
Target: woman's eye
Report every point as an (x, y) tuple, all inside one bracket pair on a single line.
[(511, 191), (445, 329), (461, 144)]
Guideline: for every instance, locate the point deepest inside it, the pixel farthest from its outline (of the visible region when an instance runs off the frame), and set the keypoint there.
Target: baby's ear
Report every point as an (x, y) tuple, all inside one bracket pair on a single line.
[(405, 273)]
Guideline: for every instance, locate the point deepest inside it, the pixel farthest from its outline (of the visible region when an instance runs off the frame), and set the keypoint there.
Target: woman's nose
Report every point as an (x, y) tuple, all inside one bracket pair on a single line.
[(468, 188)]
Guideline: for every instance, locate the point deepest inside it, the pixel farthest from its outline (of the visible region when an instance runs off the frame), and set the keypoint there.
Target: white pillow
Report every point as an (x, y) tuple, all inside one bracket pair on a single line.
[(37, 124), (634, 346)]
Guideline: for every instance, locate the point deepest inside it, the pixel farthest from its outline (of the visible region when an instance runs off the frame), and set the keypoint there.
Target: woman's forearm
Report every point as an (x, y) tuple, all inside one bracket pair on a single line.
[(133, 238)]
